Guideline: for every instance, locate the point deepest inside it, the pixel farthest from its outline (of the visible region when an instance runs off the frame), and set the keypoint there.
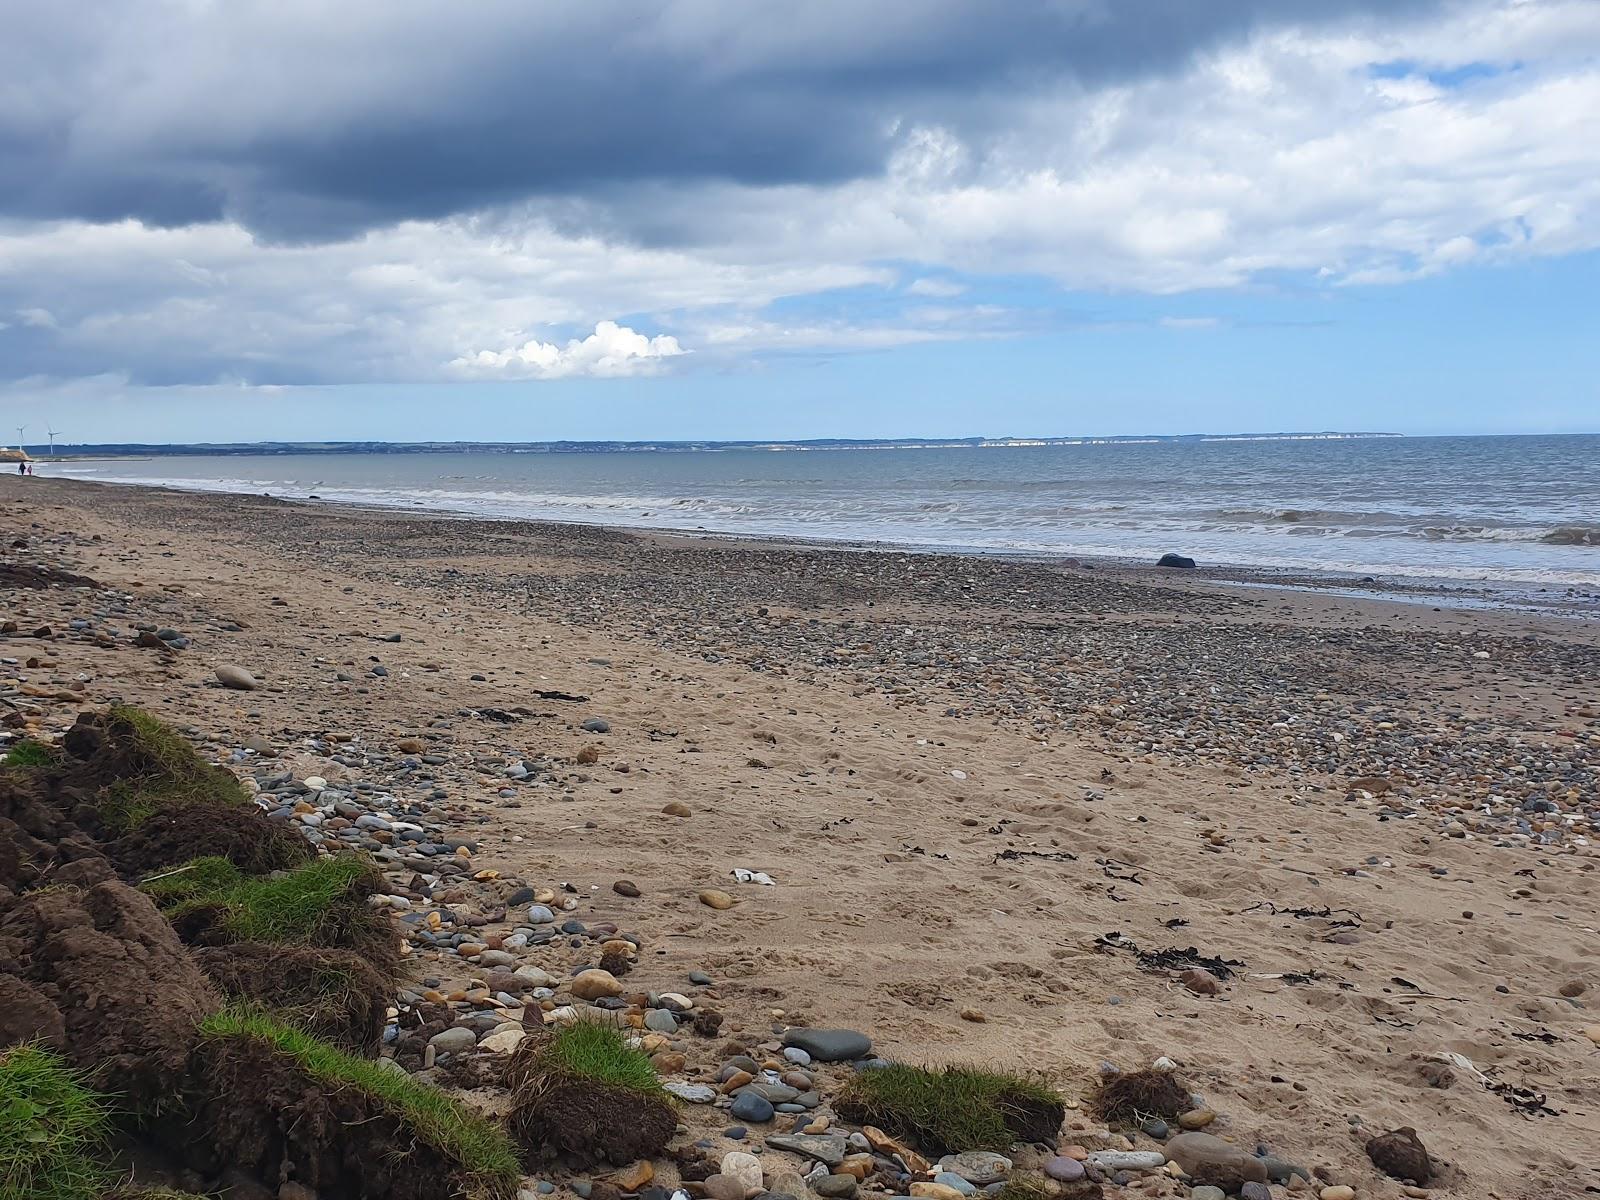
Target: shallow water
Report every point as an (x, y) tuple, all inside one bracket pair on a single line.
[(1522, 510)]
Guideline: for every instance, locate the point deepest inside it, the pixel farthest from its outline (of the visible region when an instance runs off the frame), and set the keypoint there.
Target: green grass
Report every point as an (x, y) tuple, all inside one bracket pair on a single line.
[(1026, 1187), (199, 877), (293, 907), (600, 1052), (959, 1107), (52, 1129), (169, 772), (480, 1147), (29, 753)]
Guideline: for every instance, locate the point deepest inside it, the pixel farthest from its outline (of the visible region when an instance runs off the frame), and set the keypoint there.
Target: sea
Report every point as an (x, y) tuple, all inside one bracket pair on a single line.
[(1516, 511)]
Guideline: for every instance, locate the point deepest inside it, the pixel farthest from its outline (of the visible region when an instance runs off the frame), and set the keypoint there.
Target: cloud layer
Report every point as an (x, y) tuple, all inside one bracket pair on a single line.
[(290, 194)]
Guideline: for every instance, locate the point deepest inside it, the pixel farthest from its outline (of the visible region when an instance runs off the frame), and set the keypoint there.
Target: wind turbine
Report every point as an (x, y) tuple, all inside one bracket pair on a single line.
[(51, 434), (20, 428)]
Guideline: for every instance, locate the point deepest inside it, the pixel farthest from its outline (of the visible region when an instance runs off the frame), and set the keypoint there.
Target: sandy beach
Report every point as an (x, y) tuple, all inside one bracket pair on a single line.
[(1003, 804)]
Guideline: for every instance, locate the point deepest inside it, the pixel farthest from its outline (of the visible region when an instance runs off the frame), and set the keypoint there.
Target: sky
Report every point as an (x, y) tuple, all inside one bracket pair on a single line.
[(232, 220)]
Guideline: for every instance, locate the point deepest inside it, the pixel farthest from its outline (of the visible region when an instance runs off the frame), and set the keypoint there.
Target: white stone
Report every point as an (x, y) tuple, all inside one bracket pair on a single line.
[(505, 1039), (746, 1168)]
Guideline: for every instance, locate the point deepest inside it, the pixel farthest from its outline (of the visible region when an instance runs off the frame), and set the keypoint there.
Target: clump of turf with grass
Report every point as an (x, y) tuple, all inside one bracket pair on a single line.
[(53, 1129), (29, 753), (951, 1109), (1028, 1187), (1136, 1096), (323, 903), (281, 1103), (585, 1095), (158, 768), (335, 995)]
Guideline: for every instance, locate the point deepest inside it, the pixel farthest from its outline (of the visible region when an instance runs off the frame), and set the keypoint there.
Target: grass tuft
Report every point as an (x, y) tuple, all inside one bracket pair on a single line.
[(1136, 1096), (52, 1129), (168, 772), (306, 906), (949, 1109), (479, 1146), (199, 877), (1026, 1187), (593, 1050), (29, 753)]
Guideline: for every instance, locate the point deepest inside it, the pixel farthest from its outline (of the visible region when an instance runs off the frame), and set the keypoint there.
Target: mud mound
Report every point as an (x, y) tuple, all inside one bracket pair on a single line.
[(332, 994), (125, 995), (279, 1108), (140, 766), (584, 1122), (38, 829), (1138, 1095), (322, 904), (577, 1098), (27, 575), (177, 833)]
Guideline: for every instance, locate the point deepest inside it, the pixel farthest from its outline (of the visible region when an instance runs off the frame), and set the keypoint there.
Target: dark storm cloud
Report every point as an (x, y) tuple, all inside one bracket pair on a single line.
[(311, 121)]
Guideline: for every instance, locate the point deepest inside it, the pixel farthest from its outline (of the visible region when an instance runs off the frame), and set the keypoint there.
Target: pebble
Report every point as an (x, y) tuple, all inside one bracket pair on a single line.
[(594, 984), (977, 1166), (1127, 1160), (230, 676), (505, 1039), (825, 1148), (748, 1106), (1339, 1191), (712, 898), (829, 1045), (692, 1093), (660, 1021), (836, 1187), (1064, 1169), (453, 1041), (743, 1167)]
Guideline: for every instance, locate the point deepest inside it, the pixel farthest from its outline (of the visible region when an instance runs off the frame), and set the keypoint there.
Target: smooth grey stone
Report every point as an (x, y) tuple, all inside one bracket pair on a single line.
[(747, 1106), (829, 1045), (825, 1148), (454, 1041), (1127, 1160), (977, 1166), (693, 1093)]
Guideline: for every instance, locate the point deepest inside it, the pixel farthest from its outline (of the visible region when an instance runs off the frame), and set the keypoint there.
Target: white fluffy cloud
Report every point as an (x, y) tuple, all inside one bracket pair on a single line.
[(609, 351)]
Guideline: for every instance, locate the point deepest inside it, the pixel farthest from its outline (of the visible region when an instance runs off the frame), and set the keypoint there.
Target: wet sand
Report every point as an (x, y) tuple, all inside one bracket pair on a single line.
[(981, 787)]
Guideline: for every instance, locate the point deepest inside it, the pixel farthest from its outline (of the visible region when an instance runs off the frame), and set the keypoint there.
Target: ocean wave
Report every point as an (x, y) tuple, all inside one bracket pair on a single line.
[(1573, 535)]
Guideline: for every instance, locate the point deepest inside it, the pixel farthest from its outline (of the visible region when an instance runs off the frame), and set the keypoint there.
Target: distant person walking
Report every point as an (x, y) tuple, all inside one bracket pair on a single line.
[(22, 468)]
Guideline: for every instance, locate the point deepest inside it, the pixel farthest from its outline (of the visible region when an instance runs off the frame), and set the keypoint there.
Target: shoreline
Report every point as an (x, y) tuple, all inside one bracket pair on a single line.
[(1575, 600), (976, 784)]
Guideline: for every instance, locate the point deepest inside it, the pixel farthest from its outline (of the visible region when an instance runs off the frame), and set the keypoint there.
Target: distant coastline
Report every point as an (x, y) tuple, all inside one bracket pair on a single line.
[(141, 449)]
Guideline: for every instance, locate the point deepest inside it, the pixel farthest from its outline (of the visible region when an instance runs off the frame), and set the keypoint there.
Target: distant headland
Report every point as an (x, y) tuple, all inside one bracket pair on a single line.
[(124, 449)]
